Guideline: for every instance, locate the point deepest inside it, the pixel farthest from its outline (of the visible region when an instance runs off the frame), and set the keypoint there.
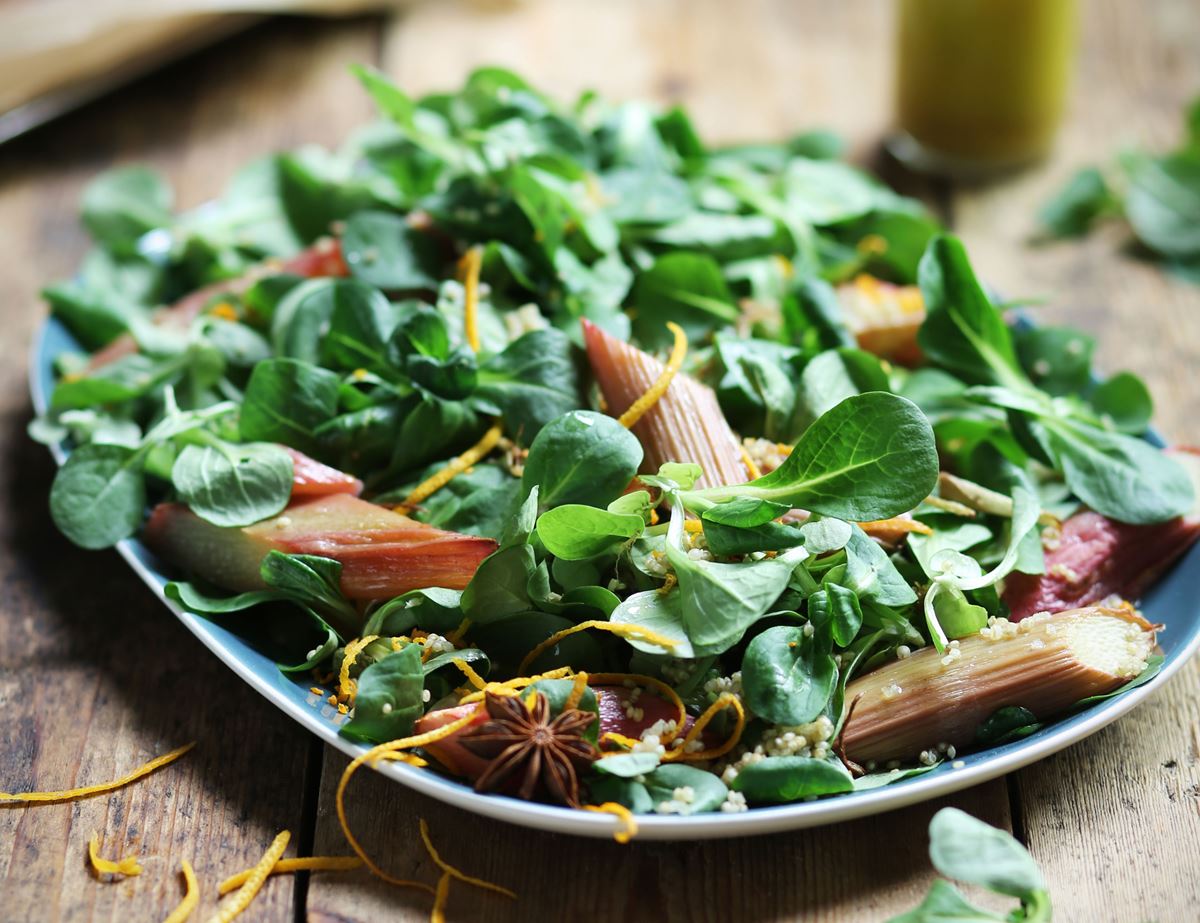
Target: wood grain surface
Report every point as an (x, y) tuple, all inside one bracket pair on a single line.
[(95, 677)]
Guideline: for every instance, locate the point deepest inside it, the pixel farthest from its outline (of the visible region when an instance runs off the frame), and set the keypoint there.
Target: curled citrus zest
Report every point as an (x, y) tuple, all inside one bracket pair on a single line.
[(471, 264), (663, 689), (896, 524), (626, 828), (224, 310), (751, 468), (512, 686), (409, 759), (456, 873), (101, 787), (191, 895), (453, 469), (305, 864), (254, 880), (469, 672), (578, 688), (438, 913), (723, 700), (101, 866), (637, 632), (382, 751), (638, 408), (455, 637), (693, 525), (346, 686)]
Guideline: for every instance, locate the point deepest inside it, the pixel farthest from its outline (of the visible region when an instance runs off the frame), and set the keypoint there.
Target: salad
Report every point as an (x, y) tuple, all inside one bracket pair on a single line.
[(569, 455)]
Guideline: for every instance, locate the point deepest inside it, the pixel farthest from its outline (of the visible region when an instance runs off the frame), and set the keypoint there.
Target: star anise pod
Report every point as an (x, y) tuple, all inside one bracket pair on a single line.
[(525, 743)]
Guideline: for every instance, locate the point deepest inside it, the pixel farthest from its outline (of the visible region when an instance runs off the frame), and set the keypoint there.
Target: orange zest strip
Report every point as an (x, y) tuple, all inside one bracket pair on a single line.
[(254, 881), (638, 408), (410, 759), (191, 895), (438, 913), (627, 827), (468, 671), (897, 524), (346, 686), (451, 870), (127, 866), (512, 686), (88, 790), (578, 688), (453, 469), (624, 631), (612, 736), (455, 637), (305, 864), (658, 686), (725, 699), (380, 752), (751, 468), (471, 264)]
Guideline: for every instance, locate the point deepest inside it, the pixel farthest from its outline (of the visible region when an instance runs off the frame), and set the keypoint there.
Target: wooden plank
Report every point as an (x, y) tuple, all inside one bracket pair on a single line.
[(758, 70), (95, 676), (864, 870), (1113, 819)]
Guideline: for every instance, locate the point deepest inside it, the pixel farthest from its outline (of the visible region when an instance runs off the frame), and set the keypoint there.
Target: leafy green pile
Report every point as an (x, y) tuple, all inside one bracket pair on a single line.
[(624, 217), (1159, 196)]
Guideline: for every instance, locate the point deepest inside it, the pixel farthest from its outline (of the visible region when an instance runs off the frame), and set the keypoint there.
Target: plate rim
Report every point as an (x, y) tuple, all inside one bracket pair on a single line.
[(944, 780)]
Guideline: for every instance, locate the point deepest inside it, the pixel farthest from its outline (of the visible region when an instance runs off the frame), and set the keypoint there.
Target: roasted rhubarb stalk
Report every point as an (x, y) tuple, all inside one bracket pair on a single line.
[(324, 258), (685, 425), (311, 478), (1045, 664), (382, 553), (884, 318)]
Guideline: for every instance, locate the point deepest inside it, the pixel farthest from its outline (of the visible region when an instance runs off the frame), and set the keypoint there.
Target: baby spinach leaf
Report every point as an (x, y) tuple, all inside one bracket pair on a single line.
[(433, 608), (576, 533), (1057, 359), (962, 330), (846, 613), (628, 792), (945, 904), (687, 288), (771, 536), (824, 535), (1124, 401), (233, 485), (286, 401), (121, 205), (791, 778), (1117, 475), (627, 765), (361, 321), (309, 579), (1005, 724), (99, 495), (581, 457), (478, 502), (834, 375), (499, 587), (661, 613), (316, 655), (533, 381), (871, 574), (744, 512), (1163, 202), (194, 599), (384, 250), (720, 601), (788, 675), (388, 698), (870, 457), (723, 236), (1079, 204), (969, 850), (708, 791)]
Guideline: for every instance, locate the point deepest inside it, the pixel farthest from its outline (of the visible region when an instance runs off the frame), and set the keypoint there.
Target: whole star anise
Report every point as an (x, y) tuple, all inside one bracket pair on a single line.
[(525, 742)]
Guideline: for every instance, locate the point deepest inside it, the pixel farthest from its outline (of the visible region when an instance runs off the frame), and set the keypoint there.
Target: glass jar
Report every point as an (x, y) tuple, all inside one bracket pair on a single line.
[(981, 85)]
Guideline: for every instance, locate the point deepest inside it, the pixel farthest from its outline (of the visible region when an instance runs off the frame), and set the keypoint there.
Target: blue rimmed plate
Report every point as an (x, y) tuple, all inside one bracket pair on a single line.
[(1173, 602)]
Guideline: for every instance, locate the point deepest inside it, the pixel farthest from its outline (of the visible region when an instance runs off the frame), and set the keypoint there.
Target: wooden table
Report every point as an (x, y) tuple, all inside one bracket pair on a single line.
[(95, 676)]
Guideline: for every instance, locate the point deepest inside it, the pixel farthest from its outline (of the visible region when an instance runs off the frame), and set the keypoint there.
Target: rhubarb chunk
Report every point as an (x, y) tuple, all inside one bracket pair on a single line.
[(382, 553), (685, 425), (884, 318), (1045, 664), (311, 478), (323, 258)]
